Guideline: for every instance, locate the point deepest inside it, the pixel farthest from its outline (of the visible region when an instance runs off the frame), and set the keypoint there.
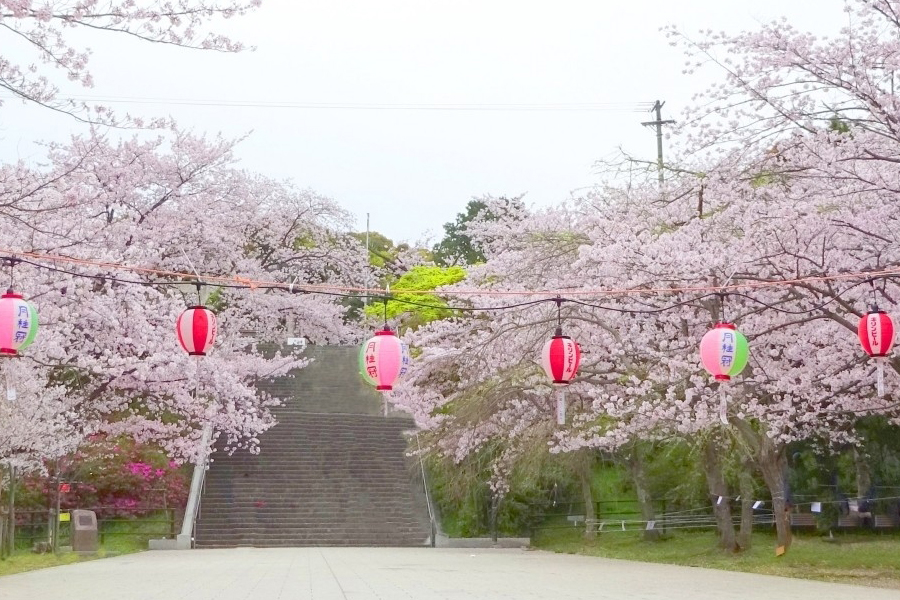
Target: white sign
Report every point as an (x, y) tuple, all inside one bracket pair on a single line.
[(816, 507), (561, 409), (296, 341)]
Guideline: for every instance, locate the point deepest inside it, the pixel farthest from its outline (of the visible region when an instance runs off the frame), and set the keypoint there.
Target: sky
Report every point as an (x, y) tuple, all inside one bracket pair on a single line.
[(413, 169)]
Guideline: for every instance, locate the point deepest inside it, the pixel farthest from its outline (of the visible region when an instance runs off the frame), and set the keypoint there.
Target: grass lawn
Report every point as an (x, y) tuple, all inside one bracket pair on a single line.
[(862, 559), (120, 537)]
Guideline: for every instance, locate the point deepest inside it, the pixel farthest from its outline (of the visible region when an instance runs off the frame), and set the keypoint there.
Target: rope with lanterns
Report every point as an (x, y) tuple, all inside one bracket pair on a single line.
[(384, 358)]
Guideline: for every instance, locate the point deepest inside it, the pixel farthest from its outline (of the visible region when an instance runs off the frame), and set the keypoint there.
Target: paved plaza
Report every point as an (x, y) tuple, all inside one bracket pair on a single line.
[(400, 573)]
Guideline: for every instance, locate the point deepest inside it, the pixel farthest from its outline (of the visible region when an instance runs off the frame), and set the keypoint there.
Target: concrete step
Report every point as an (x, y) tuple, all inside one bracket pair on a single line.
[(332, 471)]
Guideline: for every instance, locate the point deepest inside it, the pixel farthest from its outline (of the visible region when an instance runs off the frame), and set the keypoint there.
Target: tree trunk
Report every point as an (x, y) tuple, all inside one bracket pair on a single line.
[(863, 474), (773, 466), (645, 500), (11, 525), (745, 481), (495, 507), (718, 489), (3, 524), (590, 515)]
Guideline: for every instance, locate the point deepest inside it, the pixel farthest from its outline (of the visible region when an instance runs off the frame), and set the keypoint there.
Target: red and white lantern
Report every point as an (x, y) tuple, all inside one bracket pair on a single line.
[(196, 329), (381, 360), (18, 323), (560, 358), (876, 334)]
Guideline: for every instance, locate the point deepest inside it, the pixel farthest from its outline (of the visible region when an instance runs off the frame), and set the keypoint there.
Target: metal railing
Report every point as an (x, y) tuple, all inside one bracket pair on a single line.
[(625, 514), (192, 510), (33, 526), (431, 516)]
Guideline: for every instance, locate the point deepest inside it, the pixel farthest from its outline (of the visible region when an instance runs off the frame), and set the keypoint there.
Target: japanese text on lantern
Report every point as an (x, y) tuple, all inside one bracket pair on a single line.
[(727, 342), (873, 332), (369, 358), (727, 349)]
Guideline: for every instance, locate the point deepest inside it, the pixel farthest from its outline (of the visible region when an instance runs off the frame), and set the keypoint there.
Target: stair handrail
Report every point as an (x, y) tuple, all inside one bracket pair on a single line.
[(192, 510), (431, 518)]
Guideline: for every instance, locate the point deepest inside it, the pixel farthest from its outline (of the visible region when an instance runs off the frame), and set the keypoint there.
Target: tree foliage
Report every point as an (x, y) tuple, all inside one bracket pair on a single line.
[(797, 244), (458, 245), (425, 307), (46, 30), (107, 360)]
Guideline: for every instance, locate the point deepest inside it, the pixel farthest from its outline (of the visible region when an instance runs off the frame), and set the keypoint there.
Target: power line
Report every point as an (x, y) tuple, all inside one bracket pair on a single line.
[(226, 280), (383, 296), (399, 106)]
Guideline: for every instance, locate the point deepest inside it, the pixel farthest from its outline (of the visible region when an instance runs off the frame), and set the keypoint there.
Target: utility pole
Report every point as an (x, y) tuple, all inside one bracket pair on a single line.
[(658, 123), (368, 256)]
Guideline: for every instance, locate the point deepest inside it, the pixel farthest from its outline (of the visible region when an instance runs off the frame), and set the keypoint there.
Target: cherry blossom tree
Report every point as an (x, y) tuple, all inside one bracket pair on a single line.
[(44, 30), (638, 270), (174, 203)]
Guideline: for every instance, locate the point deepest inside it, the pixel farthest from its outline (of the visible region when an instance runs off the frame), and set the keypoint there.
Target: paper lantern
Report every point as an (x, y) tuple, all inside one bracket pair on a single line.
[(196, 328), (381, 360), (560, 358), (405, 361), (18, 323), (876, 334), (724, 351)]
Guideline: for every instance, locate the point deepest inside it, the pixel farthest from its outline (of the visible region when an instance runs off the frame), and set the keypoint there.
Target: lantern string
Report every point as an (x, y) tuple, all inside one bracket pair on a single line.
[(385, 304), (224, 280), (874, 296), (291, 288), (559, 301), (12, 272), (239, 283)]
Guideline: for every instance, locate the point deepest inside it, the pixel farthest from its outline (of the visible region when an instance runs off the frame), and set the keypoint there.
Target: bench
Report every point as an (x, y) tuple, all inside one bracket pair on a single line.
[(874, 521), (575, 519), (848, 521), (803, 520), (885, 522)]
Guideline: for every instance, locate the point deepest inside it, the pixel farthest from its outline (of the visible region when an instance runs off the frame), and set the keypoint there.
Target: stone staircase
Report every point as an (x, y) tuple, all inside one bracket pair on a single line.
[(332, 472)]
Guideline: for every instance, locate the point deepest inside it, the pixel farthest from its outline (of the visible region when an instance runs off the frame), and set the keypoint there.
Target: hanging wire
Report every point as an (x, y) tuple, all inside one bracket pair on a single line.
[(874, 291), (252, 284), (12, 272), (238, 283), (559, 301)]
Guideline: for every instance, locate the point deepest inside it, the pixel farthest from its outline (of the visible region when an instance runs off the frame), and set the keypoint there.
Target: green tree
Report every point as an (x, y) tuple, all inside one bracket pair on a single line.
[(457, 246), (421, 277), (381, 248)]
